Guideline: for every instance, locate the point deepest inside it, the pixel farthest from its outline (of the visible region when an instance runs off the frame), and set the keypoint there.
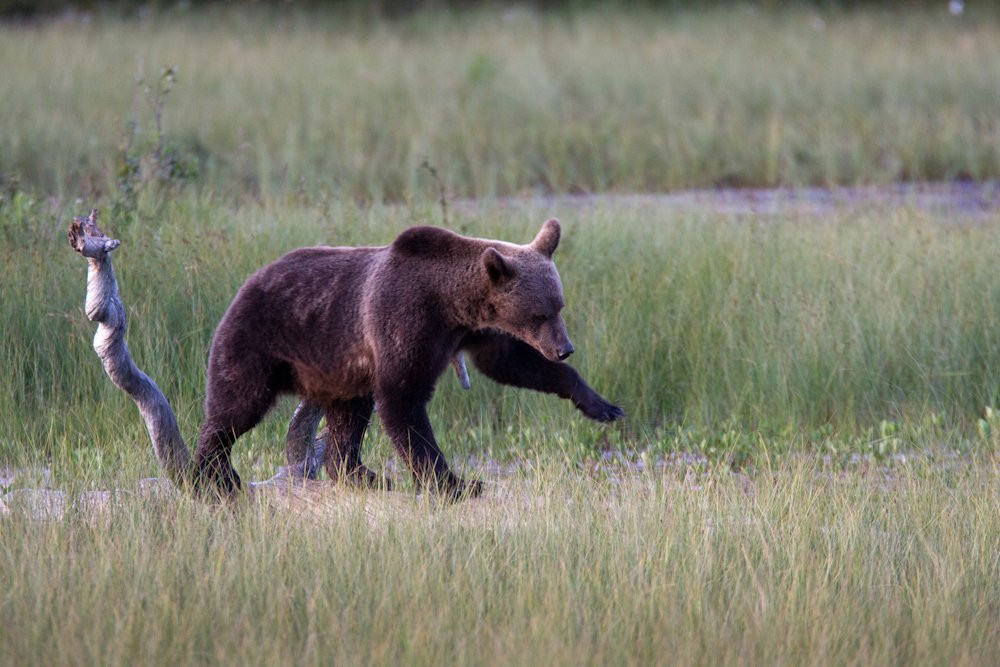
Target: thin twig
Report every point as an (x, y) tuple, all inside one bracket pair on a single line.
[(442, 198)]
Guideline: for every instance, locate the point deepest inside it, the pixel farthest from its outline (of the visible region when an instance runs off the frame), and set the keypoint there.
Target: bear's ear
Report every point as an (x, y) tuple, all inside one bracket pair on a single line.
[(548, 238), (499, 269)]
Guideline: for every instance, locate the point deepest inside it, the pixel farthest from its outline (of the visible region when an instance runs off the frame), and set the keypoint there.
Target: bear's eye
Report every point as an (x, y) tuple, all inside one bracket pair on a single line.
[(539, 319)]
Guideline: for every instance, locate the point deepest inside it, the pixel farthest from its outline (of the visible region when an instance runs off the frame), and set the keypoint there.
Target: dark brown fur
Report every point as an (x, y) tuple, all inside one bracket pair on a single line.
[(348, 327)]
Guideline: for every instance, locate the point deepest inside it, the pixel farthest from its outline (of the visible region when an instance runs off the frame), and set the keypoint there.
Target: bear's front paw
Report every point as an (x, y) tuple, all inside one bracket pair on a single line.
[(600, 410)]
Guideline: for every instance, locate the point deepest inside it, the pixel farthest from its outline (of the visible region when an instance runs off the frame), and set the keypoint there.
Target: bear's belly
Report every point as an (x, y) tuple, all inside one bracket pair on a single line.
[(348, 376)]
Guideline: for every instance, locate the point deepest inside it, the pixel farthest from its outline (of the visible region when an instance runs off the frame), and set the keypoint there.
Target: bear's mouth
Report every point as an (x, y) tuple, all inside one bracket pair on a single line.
[(557, 353), (548, 352)]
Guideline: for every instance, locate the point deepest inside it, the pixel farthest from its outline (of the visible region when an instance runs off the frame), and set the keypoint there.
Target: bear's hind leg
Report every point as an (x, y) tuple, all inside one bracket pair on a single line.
[(346, 423), (213, 467)]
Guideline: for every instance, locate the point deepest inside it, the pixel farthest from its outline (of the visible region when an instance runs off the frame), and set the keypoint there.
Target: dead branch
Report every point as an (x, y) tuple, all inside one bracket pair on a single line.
[(104, 306)]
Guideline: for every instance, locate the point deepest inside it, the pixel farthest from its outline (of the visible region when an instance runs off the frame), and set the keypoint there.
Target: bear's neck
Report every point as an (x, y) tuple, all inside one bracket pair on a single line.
[(465, 306), (451, 267), (461, 291)]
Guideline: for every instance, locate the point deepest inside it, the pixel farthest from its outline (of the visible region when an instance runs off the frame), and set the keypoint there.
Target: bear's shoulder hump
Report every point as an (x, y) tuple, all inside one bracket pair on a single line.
[(426, 240)]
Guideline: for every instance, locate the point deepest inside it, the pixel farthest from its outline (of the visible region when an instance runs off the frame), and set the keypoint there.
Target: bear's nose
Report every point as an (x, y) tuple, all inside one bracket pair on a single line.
[(565, 351)]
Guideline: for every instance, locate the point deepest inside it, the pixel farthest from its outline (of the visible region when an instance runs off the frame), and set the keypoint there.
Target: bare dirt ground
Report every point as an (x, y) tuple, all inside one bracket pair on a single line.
[(27, 492)]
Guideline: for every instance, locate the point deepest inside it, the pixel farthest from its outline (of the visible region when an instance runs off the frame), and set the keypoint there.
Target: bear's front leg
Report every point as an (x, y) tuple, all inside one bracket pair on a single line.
[(404, 415), (508, 360)]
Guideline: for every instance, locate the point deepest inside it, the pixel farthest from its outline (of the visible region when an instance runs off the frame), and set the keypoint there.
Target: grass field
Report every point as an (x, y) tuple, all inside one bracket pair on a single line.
[(808, 468)]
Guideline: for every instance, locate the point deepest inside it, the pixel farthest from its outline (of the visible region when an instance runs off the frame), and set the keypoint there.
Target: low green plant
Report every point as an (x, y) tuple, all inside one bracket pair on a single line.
[(989, 427), (148, 159)]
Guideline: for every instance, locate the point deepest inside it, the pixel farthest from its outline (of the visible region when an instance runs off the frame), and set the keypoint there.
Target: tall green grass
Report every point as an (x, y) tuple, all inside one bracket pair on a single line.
[(510, 101), (849, 330), (793, 566)]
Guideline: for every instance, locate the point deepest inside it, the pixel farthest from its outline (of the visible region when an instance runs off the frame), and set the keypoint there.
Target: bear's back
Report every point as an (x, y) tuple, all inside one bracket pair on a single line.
[(304, 297)]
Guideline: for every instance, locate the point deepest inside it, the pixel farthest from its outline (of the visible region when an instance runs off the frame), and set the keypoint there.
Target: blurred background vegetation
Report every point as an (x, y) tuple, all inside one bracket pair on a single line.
[(389, 8), (502, 100)]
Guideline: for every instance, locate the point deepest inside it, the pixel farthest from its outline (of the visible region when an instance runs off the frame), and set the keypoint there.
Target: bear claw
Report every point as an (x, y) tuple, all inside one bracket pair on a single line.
[(603, 411), (364, 478)]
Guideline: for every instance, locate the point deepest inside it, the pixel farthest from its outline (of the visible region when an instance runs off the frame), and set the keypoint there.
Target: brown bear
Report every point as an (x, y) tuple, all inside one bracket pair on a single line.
[(345, 328)]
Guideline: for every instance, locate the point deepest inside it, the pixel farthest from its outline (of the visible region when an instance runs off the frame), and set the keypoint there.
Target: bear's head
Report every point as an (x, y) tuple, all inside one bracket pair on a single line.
[(525, 293)]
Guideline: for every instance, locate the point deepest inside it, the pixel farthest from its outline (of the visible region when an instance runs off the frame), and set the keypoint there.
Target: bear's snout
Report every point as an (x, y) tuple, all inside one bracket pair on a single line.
[(556, 344)]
